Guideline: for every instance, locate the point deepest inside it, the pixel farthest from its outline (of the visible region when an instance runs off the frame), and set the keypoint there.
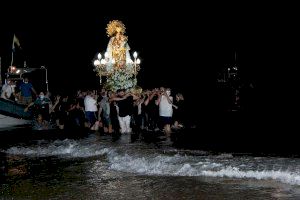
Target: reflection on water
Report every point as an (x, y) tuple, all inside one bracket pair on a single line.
[(99, 167)]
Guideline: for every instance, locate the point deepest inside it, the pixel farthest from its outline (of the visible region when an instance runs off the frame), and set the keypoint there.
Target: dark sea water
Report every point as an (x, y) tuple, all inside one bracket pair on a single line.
[(132, 166)]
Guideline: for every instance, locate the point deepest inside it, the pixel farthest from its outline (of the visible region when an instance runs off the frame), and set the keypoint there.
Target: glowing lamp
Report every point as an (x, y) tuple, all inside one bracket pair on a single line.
[(96, 62), (99, 56), (138, 61)]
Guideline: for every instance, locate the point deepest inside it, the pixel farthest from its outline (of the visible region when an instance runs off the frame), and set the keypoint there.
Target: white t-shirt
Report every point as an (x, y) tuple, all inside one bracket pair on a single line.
[(6, 89), (90, 104), (165, 108)]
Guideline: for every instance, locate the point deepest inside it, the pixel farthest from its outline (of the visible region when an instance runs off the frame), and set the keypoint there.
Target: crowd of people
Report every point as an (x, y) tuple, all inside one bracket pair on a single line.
[(122, 111)]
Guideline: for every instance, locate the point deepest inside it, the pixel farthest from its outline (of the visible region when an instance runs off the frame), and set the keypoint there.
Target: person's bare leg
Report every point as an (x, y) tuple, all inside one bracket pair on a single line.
[(110, 130), (168, 130), (176, 124), (105, 129)]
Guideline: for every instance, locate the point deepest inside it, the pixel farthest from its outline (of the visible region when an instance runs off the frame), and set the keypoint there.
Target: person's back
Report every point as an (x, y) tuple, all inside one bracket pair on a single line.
[(125, 107), (104, 113), (90, 104), (165, 108), (90, 107), (104, 105)]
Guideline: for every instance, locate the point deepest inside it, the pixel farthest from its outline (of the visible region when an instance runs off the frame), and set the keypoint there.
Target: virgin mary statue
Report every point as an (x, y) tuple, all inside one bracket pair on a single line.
[(119, 63)]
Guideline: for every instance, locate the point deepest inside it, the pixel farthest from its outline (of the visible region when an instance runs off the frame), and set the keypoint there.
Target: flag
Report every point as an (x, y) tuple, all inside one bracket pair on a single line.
[(15, 42)]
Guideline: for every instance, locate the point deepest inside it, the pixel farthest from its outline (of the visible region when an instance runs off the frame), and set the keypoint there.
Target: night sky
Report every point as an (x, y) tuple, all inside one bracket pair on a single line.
[(182, 46)]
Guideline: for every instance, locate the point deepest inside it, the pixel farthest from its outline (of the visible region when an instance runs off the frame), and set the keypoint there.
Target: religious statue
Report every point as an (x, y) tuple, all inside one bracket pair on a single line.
[(117, 64), (117, 48)]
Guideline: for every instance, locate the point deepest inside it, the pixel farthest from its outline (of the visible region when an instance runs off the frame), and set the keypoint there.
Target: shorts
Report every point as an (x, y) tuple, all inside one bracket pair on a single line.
[(165, 120), (26, 100), (106, 121)]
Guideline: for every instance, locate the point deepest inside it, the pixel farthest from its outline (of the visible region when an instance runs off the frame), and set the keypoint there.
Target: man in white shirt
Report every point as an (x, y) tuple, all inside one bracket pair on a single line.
[(90, 107), (7, 90), (165, 102)]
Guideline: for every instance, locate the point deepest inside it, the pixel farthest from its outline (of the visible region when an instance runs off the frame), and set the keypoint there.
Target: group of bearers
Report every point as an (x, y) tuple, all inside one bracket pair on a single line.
[(151, 110), (120, 111)]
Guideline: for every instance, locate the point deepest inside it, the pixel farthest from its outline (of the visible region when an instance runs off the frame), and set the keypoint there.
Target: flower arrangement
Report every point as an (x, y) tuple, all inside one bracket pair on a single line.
[(120, 79)]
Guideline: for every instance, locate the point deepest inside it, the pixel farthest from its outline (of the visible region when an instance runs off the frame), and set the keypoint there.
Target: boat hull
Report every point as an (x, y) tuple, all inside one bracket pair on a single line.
[(9, 122), (12, 114)]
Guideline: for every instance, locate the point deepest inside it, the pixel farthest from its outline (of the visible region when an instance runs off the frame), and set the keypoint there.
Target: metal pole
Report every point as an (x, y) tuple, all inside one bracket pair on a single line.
[(47, 80), (43, 67), (12, 51), (134, 67)]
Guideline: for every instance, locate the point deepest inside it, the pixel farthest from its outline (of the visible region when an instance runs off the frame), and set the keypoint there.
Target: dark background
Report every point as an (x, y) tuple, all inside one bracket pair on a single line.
[(182, 45)]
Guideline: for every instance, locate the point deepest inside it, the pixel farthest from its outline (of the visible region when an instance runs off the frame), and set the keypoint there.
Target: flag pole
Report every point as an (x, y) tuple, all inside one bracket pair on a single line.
[(12, 58), (12, 52)]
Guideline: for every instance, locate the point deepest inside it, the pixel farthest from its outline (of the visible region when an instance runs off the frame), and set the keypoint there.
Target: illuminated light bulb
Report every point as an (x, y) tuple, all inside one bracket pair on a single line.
[(138, 61), (97, 62), (135, 54), (99, 56)]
